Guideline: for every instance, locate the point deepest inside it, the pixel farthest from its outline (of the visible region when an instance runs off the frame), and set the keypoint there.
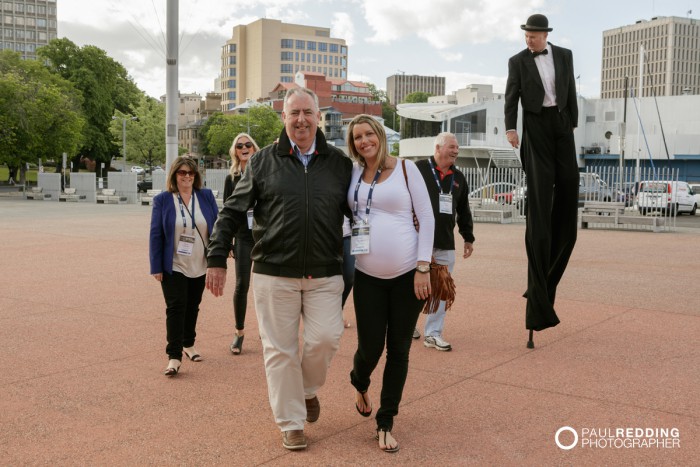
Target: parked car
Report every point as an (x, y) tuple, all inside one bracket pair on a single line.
[(666, 197), (154, 169), (511, 197), (144, 185), (137, 169), (592, 188)]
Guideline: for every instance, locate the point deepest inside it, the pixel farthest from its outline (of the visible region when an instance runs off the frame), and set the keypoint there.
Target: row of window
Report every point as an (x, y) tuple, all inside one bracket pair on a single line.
[(19, 46), (31, 35), (312, 58), (10, 20), (313, 45), (654, 68), (30, 9), (680, 31)]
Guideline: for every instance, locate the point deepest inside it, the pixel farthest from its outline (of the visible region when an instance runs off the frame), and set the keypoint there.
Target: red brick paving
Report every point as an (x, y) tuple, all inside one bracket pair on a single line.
[(82, 326)]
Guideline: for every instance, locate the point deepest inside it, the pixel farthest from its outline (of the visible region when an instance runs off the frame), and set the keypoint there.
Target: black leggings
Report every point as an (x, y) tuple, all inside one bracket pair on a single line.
[(385, 310), (243, 246)]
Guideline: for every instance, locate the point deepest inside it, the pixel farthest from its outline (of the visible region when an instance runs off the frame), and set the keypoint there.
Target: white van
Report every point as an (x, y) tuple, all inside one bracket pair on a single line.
[(666, 197)]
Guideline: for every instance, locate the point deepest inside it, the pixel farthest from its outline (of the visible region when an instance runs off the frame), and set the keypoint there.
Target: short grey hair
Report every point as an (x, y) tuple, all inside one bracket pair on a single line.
[(300, 91), (441, 139)]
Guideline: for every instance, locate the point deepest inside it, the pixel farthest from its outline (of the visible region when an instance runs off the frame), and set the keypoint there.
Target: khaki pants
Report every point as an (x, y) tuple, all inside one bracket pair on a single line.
[(280, 304)]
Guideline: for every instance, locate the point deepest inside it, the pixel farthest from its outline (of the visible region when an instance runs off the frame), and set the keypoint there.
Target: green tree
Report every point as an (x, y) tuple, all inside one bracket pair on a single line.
[(417, 97), (105, 86), (145, 137), (217, 133), (40, 113), (391, 119)]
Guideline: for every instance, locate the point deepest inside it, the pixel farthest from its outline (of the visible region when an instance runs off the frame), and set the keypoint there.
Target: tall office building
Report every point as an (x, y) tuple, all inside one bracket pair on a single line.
[(267, 52), (399, 86), (26, 25), (671, 57)]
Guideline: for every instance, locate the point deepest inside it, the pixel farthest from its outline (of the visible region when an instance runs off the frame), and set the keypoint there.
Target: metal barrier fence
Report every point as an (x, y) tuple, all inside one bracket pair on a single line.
[(634, 197)]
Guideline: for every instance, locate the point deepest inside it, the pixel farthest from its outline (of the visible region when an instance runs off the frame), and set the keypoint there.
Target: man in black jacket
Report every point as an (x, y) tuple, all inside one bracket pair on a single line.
[(298, 188), (541, 77), (449, 195)]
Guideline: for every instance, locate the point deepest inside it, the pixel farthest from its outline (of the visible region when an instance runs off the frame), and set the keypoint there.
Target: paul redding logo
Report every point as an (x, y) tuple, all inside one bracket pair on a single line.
[(568, 438)]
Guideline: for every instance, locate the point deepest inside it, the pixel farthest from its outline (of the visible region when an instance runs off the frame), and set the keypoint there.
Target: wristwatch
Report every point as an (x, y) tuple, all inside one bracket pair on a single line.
[(424, 268)]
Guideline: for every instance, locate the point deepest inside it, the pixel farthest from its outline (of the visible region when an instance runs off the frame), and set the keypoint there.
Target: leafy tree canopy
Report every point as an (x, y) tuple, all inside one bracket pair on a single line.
[(144, 128), (40, 113), (105, 86), (417, 97), (261, 122)]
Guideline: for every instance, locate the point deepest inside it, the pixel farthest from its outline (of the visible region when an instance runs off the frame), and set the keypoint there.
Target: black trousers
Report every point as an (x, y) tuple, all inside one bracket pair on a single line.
[(552, 210), (242, 247), (386, 310), (348, 269), (182, 298)]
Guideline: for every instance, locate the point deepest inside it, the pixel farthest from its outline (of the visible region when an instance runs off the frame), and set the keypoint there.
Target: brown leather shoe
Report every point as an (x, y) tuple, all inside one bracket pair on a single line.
[(294, 440), (313, 409)]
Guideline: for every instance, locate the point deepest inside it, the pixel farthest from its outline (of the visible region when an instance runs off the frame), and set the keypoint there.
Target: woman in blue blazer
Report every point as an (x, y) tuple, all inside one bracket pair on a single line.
[(181, 223)]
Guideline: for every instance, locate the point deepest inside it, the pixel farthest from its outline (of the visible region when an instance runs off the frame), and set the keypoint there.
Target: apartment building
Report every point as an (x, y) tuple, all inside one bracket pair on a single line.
[(26, 25), (266, 52), (671, 57), (399, 86)]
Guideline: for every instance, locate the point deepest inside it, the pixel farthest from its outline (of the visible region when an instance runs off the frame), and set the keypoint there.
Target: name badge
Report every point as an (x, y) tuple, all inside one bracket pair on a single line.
[(250, 219), (446, 204), (185, 246), (359, 241)]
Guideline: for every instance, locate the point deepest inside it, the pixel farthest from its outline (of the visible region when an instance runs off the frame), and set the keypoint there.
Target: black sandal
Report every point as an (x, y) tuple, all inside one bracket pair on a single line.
[(236, 346), (385, 448), (357, 407)]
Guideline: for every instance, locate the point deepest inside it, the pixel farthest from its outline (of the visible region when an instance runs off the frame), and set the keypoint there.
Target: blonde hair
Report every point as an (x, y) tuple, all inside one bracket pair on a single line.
[(190, 163), (235, 162), (382, 152)]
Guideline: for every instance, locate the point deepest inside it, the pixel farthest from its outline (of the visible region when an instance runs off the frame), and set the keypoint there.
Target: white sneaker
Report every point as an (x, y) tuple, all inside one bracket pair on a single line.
[(437, 342)]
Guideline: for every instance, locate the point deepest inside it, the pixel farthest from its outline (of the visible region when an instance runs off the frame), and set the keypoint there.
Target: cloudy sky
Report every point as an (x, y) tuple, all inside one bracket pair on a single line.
[(467, 41)]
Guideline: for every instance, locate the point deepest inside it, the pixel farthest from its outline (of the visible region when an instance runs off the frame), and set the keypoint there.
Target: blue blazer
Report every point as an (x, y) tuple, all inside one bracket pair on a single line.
[(162, 237)]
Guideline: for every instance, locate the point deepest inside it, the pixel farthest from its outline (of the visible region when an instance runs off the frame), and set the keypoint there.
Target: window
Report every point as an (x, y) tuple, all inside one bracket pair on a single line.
[(322, 47), (231, 83), (343, 50), (287, 68), (300, 45), (232, 60), (310, 45), (232, 48), (287, 44), (590, 118), (231, 96), (285, 79), (19, 20), (287, 56), (333, 48), (19, 7)]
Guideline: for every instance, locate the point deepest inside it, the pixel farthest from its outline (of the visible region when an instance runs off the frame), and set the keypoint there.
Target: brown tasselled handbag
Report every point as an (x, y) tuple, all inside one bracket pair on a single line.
[(442, 286)]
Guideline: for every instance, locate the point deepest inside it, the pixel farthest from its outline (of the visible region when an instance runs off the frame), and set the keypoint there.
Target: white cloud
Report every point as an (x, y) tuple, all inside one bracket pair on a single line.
[(446, 23), (343, 27), (451, 56)]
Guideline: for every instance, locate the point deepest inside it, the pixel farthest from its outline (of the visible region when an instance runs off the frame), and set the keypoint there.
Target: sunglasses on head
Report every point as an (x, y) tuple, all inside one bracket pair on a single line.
[(248, 145), (185, 173)]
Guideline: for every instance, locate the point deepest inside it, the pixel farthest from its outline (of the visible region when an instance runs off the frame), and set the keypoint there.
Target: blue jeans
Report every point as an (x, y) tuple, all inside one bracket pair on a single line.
[(435, 322)]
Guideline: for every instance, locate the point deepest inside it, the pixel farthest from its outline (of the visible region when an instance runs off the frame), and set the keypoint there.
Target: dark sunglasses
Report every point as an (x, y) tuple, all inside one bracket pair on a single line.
[(248, 145), (183, 173)]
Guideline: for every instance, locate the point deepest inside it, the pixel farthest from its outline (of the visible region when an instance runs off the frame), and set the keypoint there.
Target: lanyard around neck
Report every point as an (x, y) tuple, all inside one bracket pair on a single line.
[(369, 195), (182, 211), (437, 178)]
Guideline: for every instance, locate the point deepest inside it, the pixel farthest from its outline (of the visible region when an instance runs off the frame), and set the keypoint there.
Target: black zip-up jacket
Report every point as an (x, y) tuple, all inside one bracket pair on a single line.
[(298, 228), (444, 238)]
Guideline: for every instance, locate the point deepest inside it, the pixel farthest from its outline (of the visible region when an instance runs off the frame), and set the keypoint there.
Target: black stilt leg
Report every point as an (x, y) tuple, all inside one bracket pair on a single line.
[(530, 343)]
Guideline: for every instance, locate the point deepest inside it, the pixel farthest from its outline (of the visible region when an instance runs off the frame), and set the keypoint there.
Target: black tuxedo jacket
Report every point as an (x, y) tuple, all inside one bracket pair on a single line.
[(524, 84)]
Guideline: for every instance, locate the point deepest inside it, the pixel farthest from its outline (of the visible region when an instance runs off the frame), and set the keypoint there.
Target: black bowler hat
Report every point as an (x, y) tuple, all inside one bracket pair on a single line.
[(536, 23)]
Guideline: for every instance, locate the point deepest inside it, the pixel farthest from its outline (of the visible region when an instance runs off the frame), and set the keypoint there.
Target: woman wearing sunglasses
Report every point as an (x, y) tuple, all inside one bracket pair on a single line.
[(242, 149), (181, 223)]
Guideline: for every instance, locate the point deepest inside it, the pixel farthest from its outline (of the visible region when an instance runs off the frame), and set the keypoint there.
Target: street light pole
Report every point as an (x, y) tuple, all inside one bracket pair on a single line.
[(124, 136)]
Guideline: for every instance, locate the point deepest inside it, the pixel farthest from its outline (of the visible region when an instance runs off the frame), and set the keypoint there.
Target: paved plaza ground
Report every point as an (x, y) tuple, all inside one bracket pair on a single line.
[(83, 333)]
